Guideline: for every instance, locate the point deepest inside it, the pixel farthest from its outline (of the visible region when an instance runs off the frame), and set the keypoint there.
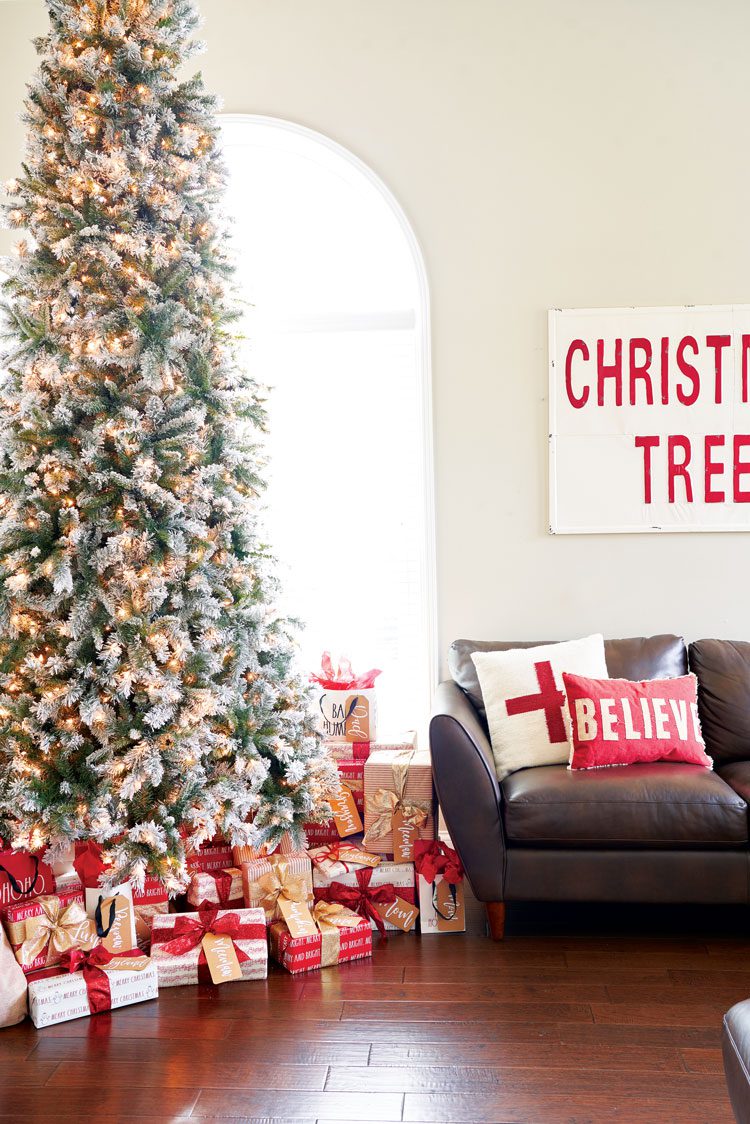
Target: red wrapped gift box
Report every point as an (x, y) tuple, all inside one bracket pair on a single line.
[(342, 935)]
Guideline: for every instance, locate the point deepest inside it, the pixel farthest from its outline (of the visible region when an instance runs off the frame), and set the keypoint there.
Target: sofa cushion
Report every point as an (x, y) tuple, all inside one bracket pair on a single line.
[(737, 775), (655, 805), (723, 670), (636, 657)]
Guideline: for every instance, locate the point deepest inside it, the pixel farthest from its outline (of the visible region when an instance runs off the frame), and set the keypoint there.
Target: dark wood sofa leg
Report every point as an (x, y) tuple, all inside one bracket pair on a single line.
[(496, 919)]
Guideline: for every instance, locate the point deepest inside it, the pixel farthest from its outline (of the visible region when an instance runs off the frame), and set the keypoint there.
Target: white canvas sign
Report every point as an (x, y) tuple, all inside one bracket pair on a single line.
[(650, 419)]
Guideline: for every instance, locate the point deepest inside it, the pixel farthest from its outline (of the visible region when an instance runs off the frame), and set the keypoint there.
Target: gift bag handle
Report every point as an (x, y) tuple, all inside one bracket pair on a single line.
[(454, 899), (15, 885), (101, 932)]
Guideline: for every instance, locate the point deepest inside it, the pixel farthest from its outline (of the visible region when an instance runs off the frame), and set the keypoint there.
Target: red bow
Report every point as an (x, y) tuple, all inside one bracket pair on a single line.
[(188, 932), (90, 965), (431, 857), (362, 898), (342, 678)]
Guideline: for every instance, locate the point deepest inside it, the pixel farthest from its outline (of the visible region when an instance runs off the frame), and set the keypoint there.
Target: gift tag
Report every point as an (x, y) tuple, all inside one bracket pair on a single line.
[(357, 724), (298, 918), (400, 913), (128, 964), (221, 958), (348, 820), (404, 835), (448, 900), (117, 923)]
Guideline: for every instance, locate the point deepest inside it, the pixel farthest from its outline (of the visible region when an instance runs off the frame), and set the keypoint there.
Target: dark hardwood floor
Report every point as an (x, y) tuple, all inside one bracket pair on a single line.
[(581, 1016)]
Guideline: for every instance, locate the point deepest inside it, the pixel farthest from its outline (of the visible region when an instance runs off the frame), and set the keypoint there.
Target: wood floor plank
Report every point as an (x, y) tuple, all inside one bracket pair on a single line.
[(726, 995), (358, 1031), (663, 1014), (530, 1055), (31, 1071), (635, 1034), (557, 991), (703, 1061), (181, 1073), (471, 1012), (293, 1050), (288, 1105), (520, 1108), (29, 1104), (121, 1024)]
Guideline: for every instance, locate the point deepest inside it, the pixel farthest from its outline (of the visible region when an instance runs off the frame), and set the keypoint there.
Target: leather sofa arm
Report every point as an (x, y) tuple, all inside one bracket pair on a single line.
[(468, 793)]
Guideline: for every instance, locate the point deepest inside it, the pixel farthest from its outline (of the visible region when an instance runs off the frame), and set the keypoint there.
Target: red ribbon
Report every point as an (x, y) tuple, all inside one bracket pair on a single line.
[(432, 857), (362, 898), (342, 678), (188, 932), (90, 965)]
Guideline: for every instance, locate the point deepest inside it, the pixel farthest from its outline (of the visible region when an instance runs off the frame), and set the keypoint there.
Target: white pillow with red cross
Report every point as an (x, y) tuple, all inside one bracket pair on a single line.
[(524, 697)]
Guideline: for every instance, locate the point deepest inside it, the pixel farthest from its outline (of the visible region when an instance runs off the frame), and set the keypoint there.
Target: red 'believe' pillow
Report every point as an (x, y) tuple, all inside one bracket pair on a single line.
[(617, 722)]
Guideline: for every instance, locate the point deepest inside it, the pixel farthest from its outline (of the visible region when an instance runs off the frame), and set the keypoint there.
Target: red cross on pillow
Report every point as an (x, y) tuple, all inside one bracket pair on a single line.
[(523, 694)]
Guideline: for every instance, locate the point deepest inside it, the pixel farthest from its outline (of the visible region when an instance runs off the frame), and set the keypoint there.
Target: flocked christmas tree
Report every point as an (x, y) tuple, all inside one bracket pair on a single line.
[(147, 689)]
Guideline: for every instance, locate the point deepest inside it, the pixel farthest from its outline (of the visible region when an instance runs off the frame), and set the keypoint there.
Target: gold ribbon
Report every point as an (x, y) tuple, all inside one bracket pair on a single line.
[(58, 929), (278, 883), (383, 804), (331, 917)]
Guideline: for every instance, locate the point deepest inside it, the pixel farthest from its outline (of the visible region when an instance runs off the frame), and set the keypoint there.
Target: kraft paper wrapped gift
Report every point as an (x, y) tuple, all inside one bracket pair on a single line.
[(88, 983), (440, 888), (342, 935), (43, 929), (399, 802), (210, 946), (246, 854), (269, 883), (218, 887), (368, 891)]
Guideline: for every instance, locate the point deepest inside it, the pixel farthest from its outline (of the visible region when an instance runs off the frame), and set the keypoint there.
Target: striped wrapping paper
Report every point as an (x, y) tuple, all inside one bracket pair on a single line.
[(297, 864), (360, 751), (379, 776), (174, 971), (246, 854), (400, 875)]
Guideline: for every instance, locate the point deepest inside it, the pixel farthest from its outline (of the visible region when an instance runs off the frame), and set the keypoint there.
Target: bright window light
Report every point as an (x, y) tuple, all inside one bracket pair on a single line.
[(337, 323)]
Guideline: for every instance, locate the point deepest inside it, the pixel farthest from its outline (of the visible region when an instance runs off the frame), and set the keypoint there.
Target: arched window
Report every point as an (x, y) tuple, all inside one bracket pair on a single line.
[(338, 327)]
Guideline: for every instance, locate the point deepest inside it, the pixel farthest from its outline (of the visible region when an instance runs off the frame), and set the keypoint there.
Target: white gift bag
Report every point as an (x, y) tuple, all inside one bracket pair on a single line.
[(114, 916), (13, 986)]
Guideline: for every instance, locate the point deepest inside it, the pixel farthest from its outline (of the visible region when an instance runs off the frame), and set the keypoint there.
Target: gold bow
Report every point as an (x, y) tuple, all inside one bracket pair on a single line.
[(331, 917), (383, 804), (278, 883), (58, 929)]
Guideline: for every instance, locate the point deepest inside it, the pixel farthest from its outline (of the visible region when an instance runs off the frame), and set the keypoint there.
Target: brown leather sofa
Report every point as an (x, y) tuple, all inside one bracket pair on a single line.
[(735, 1043), (661, 832)]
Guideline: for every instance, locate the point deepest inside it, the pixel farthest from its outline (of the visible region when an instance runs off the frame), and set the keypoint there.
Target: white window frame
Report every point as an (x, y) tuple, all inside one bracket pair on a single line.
[(232, 124)]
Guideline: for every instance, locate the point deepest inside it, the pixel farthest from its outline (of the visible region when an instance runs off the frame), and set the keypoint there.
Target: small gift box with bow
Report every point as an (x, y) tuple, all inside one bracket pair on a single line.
[(345, 709), (385, 894), (399, 802), (88, 983), (277, 883), (217, 887), (216, 854), (342, 857), (42, 930), (210, 946), (440, 885), (340, 935)]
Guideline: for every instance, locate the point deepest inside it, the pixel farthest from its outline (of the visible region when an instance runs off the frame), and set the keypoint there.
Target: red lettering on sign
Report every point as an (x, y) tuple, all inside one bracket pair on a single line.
[(713, 441), (647, 444), (665, 370), (577, 402), (741, 468), (641, 370), (608, 371), (718, 343), (745, 349), (679, 468), (689, 370), (550, 699)]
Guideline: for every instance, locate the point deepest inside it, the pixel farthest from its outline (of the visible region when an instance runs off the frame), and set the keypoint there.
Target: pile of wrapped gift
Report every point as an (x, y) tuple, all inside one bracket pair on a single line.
[(74, 948)]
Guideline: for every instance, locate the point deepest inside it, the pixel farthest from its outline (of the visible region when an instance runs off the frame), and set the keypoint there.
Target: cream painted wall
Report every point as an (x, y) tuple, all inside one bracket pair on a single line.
[(574, 154)]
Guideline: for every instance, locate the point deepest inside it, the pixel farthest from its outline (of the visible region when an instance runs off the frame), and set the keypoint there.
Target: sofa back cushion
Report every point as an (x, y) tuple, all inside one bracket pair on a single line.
[(636, 657), (723, 670)]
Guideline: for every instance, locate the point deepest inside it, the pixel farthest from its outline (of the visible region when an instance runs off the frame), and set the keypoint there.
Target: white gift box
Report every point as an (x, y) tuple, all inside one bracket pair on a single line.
[(347, 716), (58, 999), (399, 875), (177, 970)]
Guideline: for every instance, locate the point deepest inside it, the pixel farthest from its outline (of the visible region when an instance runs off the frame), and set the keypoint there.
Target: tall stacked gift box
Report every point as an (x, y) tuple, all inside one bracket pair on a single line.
[(399, 801)]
